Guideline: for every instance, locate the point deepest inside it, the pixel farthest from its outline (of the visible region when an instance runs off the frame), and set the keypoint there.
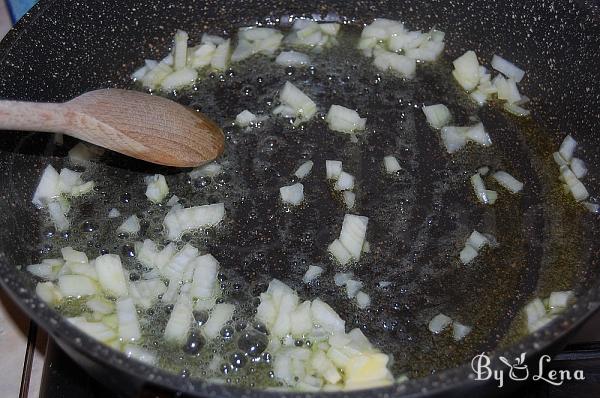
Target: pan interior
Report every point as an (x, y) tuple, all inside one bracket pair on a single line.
[(419, 218)]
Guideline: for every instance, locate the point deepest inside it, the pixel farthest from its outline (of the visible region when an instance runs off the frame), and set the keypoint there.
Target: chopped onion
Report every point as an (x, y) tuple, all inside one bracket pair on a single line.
[(508, 69), (303, 107), (344, 120), (340, 279), (535, 311), (325, 317), (114, 213), (478, 134), (157, 188), (212, 169), (352, 235), (477, 240), (439, 323), (173, 201), (339, 251), (483, 170), (245, 118), (507, 89), (76, 286), (181, 263), (178, 79), (467, 254), (402, 64), (206, 268), (466, 70), (578, 168), (479, 97), (592, 207), (516, 109), (579, 191), (221, 56), (57, 210), (333, 169), (180, 321), (460, 331), (47, 189), (219, 316), (292, 58), (201, 56), (111, 275), (353, 287), (508, 181), (479, 188), (216, 40), (179, 220), (131, 225), (567, 148), (344, 182), (82, 153), (292, 194), (97, 330), (437, 115), (48, 292), (391, 164), (453, 138), (349, 199), (180, 50), (312, 273), (558, 301), (129, 325), (304, 169), (301, 320), (48, 269), (145, 292), (384, 284), (363, 300)]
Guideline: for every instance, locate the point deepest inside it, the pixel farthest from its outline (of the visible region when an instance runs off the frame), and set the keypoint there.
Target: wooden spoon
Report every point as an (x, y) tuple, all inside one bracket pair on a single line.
[(143, 126)]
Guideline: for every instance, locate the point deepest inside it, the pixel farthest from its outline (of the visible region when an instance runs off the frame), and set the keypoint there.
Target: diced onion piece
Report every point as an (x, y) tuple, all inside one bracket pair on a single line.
[(304, 169), (391, 164), (76, 286), (333, 169), (180, 321), (516, 110), (453, 138), (507, 89), (578, 168), (157, 188), (483, 170), (467, 254), (97, 330), (477, 240), (535, 311), (201, 56), (57, 210), (340, 279), (157, 74), (507, 68), (129, 325), (478, 134), (114, 213), (221, 56), (220, 314), (173, 201), (437, 115), (363, 300), (558, 301), (178, 79), (479, 188), (292, 194), (73, 256), (48, 292), (245, 118), (131, 225), (330, 29), (579, 191), (492, 196), (344, 120), (353, 233), (353, 287), (466, 70), (460, 331), (140, 354), (367, 371), (111, 275), (48, 269), (139, 73), (325, 317), (402, 64), (479, 97), (508, 181), (301, 320), (179, 220), (180, 263), (292, 58), (47, 189), (349, 199), (312, 273), (344, 182), (145, 292), (206, 268), (439, 323), (212, 169), (303, 106), (83, 153), (216, 40), (339, 251), (567, 148), (180, 50)]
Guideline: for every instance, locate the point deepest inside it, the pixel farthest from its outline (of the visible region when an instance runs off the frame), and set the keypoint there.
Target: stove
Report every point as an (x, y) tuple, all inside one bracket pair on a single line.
[(63, 378)]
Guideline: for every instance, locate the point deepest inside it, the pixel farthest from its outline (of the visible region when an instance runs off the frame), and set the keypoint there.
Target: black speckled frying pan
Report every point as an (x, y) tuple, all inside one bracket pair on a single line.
[(63, 48)]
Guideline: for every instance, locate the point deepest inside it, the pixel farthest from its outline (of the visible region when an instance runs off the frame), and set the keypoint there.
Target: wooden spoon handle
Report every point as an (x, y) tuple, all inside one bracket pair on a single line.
[(35, 116)]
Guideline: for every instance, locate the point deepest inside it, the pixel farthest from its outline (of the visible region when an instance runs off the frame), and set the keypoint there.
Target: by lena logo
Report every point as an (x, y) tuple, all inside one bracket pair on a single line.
[(519, 371)]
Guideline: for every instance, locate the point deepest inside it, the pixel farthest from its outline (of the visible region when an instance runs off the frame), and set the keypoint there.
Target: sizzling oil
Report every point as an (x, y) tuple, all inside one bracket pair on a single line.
[(419, 218)]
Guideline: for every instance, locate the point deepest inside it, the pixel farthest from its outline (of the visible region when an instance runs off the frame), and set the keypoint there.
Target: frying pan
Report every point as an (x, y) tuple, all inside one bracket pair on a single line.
[(63, 48)]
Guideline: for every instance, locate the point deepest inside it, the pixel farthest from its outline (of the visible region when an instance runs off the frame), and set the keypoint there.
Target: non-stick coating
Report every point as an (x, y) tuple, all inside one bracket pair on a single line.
[(65, 48)]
